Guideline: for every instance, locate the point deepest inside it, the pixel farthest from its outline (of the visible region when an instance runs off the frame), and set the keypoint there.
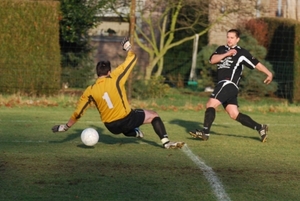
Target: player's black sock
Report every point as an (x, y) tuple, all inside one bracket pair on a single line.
[(210, 114), (247, 121), (159, 127)]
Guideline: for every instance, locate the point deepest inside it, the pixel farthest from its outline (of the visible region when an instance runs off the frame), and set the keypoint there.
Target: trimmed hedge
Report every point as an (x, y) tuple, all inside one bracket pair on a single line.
[(30, 53), (296, 88)]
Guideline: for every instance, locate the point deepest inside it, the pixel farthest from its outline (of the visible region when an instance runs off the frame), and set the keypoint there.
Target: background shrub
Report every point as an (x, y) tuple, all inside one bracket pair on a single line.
[(30, 53), (155, 88)]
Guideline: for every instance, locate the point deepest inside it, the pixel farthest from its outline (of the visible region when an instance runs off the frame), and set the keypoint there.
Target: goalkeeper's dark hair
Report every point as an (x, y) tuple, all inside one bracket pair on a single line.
[(102, 68)]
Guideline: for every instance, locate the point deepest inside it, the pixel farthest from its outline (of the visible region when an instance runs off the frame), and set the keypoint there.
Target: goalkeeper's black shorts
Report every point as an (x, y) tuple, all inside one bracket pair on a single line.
[(133, 120)]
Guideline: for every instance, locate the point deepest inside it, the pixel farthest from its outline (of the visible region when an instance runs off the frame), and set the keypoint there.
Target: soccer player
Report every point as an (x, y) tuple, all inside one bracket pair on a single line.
[(108, 94), (230, 59)]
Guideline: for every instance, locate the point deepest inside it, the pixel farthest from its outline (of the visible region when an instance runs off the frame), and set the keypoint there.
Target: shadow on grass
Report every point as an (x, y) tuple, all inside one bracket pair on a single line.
[(192, 125), (121, 139), (104, 138), (255, 137)]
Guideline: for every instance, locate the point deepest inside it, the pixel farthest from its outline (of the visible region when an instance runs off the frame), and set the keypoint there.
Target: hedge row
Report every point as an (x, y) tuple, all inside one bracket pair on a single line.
[(30, 52)]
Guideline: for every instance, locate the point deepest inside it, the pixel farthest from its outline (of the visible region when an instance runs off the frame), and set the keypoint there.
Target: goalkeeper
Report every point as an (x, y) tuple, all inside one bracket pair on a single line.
[(109, 96)]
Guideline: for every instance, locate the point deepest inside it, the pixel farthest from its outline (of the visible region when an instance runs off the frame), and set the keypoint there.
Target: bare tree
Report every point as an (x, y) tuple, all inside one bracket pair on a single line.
[(160, 20), (157, 22)]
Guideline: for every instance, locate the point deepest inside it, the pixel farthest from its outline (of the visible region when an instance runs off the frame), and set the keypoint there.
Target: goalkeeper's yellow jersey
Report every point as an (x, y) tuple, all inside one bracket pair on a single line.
[(108, 93)]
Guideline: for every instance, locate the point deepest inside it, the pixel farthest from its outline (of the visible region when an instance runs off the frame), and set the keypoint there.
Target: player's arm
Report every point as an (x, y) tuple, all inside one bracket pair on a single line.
[(217, 57), (266, 71), (82, 105), (126, 67), (63, 127), (71, 122)]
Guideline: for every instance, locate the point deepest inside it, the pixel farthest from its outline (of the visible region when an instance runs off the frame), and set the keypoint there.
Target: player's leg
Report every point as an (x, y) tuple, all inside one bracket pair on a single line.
[(247, 121), (210, 113), (159, 128), (130, 127), (135, 132), (120, 126), (209, 117), (232, 110)]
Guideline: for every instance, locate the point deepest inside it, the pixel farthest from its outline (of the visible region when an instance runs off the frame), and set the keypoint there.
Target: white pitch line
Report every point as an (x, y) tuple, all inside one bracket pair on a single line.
[(210, 175)]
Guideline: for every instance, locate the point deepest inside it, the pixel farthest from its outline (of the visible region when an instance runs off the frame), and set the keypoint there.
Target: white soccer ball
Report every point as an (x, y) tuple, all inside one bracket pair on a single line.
[(89, 136)]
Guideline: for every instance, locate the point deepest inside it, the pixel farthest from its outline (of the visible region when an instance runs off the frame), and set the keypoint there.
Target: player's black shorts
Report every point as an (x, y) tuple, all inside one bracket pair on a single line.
[(226, 92), (133, 120)]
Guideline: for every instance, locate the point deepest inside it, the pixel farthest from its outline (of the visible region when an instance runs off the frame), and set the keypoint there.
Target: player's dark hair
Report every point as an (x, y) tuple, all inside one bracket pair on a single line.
[(102, 68), (236, 31)]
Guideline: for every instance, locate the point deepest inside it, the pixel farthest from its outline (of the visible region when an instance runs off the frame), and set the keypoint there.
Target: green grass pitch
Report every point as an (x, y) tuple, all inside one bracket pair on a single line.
[(36, 164)]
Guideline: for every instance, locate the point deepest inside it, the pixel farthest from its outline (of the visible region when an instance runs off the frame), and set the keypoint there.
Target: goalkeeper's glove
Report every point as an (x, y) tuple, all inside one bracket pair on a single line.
[(60, 128), (126, 46)]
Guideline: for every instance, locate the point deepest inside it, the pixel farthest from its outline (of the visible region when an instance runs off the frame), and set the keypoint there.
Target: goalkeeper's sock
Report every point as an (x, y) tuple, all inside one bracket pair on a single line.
[(245, 120), (159, 127)]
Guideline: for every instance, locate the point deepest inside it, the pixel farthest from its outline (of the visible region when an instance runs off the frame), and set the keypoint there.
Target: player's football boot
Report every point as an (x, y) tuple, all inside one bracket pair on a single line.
[(173, 145), (263, 132), (199, 134), (139, 133)]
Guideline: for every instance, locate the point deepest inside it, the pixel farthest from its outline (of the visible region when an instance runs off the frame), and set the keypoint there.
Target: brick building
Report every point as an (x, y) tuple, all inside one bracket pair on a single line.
[(247, 10)]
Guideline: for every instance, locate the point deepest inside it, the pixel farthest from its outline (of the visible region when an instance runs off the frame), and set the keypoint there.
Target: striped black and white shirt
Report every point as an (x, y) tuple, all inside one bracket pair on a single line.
[(230, 68)]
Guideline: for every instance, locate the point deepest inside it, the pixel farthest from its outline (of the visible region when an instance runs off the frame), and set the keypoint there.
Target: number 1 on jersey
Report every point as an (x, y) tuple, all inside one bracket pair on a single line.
[(108, 101)]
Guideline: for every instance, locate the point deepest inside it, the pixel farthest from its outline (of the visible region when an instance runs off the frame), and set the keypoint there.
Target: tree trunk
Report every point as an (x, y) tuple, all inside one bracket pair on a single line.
[(160, 67), (149, 69)]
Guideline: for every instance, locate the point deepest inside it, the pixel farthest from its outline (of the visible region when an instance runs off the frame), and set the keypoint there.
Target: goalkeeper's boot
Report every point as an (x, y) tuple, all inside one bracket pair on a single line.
[(139, 133), (263, 132), (173, 145), (199, 134)]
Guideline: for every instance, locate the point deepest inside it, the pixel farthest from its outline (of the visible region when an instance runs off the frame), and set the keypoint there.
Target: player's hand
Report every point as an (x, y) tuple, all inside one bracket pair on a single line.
[(268, 80), (60, 128), (126, 46), (232, 52)]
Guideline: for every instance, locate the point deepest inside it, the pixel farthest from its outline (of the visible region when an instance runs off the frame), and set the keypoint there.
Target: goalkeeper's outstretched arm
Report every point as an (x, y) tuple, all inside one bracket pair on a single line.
[(63, 127)]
